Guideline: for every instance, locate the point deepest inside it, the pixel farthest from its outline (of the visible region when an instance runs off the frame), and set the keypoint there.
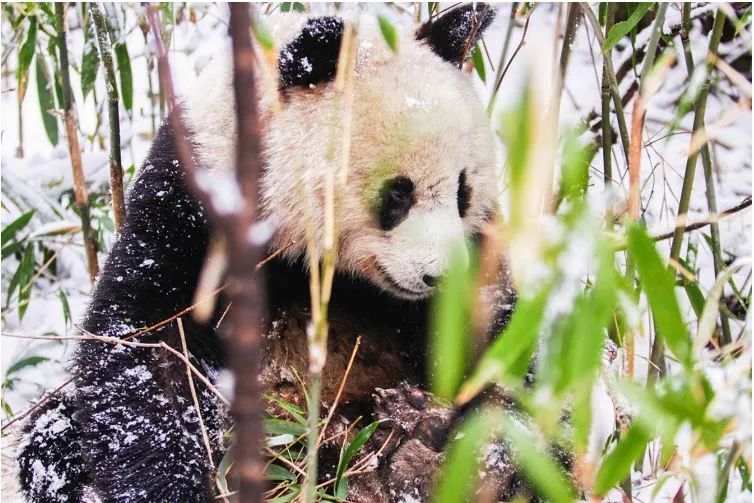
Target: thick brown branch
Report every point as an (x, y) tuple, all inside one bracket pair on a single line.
[(245, 288)]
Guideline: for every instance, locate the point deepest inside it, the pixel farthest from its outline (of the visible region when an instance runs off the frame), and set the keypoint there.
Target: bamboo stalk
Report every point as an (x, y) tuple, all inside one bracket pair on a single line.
[(323, 267), (79, 183), (656, 356), (717, 259), (614, 88), (116, 167), (607, 132)]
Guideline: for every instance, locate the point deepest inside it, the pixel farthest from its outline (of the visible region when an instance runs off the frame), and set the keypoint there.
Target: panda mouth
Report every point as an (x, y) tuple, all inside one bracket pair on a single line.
[(394, 285)]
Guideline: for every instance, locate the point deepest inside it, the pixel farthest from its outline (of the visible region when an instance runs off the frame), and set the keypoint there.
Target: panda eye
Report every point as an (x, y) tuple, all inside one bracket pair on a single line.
[(464, 194), (396, 198)]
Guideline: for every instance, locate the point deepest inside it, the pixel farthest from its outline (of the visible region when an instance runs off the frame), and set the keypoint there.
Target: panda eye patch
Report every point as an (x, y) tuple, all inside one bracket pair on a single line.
[(396, 198), (464, 194)]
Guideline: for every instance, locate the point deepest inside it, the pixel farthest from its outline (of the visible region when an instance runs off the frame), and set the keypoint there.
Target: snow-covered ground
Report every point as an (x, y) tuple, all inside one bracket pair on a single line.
[(38, 179)]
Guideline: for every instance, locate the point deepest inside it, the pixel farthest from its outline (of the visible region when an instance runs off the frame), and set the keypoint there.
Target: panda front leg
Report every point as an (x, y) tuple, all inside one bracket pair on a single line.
[(141, 435)]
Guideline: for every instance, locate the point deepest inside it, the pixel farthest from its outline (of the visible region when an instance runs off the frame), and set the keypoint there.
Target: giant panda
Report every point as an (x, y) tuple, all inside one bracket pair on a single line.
[(421, 179)]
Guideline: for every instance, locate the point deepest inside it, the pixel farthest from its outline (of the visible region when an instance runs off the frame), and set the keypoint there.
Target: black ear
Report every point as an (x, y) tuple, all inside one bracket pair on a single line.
[(454, 34), (311, 57)]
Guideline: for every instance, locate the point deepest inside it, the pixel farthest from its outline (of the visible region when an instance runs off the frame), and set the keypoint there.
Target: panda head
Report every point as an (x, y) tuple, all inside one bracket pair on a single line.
[(421, 161)]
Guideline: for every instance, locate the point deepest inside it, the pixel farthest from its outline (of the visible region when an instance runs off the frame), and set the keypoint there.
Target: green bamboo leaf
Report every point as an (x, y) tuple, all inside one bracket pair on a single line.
[(659, 285), (126, 78), (31, 361), (351, 448), (449, 339), (508, 357), (622, 29), (89, 59), (586, 334), (262, 33), (478, 60), (619, 461), (10, 230), (277, 472), (461, 465), (24, 285), (388, 32), (66, 307), (25, 55), (292, 6), (296, 412), (46, 100), (708, 319), (539, 467), (281, 427)]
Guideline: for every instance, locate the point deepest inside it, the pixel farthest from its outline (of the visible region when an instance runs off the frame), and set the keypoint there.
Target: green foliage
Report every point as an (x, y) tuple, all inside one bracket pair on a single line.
[(124, 73), (90, 58), (623, 28), (451, 333), (347, 453), (619, 461), (25, 55), (477, 60), (659, 285), (388, 32), (46, 100)]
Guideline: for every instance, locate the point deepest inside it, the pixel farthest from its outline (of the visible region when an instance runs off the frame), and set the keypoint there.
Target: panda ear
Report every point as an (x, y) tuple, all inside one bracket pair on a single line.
[(453, 35), (311, 57)]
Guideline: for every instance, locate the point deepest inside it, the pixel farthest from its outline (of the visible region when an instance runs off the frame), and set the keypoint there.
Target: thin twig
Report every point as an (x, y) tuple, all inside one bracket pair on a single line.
[(340, 390), (79, 182), (710, 220), (198, 408), (521, 44)]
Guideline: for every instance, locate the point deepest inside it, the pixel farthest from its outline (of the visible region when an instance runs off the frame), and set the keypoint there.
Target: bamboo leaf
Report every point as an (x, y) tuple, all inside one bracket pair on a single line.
[(46, 100), (31, 361), (659, 286), (478, 60), (618, 462), (622, 29), (450, 328), (538, 465), (350, 449), (10, 230), (509, 356), (66, 307), (89, 59), (708, 319), (462, 461), (388, 32), (281, 427), (126, 78), (25, 55), (277, 472)]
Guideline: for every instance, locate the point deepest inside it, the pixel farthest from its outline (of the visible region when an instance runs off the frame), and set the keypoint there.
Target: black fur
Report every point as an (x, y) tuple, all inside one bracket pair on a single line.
[(396, 198), (454, 34), (52, 466), (311, 57), (464, 194)]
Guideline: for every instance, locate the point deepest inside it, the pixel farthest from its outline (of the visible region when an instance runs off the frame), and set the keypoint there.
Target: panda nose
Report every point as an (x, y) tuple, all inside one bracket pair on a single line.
[(430, 281)]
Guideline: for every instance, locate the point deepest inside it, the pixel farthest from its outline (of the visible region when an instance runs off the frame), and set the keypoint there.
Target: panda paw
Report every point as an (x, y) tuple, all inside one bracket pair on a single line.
[(412, 413)]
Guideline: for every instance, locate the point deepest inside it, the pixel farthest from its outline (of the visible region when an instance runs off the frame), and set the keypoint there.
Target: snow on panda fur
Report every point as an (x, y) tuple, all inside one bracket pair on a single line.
[(420, 179)]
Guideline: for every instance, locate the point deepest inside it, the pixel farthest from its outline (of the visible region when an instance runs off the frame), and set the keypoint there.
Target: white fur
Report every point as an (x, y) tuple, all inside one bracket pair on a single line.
[(413, 115)]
